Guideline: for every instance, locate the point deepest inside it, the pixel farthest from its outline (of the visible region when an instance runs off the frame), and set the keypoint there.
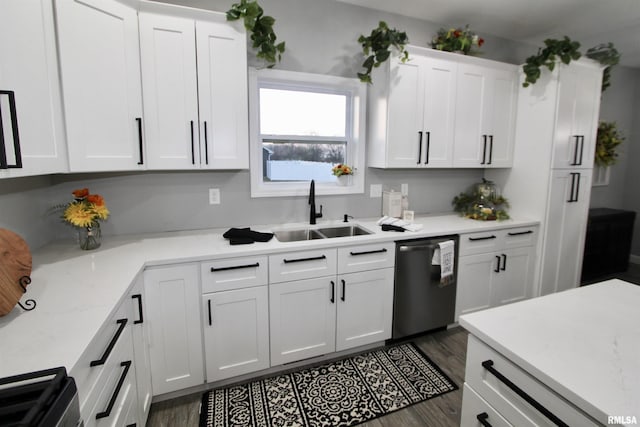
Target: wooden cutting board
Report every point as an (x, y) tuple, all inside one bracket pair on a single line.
[(15, 262)]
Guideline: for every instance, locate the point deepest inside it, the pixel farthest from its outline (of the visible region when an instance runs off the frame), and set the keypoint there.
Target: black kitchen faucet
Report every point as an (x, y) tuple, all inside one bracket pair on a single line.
[(312, 202)]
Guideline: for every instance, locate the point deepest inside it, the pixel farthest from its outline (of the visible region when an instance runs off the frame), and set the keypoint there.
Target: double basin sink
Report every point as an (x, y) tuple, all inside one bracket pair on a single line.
[(320, 233)]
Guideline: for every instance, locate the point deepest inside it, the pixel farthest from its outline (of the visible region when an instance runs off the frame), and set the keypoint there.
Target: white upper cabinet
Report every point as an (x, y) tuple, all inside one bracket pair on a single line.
[(194, 73), (577, 120), (100, 70), (32, 139), (486, 114)]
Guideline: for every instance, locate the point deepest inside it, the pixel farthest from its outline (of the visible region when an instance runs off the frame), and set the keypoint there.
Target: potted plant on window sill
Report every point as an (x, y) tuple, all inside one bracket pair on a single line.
[(343, 174)]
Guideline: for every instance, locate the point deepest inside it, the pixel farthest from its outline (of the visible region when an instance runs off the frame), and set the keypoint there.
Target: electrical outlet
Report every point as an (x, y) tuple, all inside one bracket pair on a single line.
[(375, 191), (404, 189), (214, 196)]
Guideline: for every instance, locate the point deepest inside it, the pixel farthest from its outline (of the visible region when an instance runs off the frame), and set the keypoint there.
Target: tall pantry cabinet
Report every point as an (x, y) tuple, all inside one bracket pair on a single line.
[(552, 167)]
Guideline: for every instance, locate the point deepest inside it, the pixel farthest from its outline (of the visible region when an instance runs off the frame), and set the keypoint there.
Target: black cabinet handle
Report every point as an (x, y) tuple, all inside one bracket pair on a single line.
[(488, 365), (475, 239), (504, 262), (234, 267), (206, 144), (112, 343), (520, 233), (140, 318), (333, 292), (575, 187), (344, 290), (131, 425), (575, 151), (193, 147), (377, 251), (4, 164), (126, 365), (497, 269), (490, 149), (581, 149), (482, 419), (426, 162), (315, 258), (139, 120), (484, 149), (209, 310), (419, 146)]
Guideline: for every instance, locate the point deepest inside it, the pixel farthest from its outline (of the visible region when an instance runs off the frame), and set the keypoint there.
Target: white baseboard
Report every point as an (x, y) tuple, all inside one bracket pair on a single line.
[(634, 259)]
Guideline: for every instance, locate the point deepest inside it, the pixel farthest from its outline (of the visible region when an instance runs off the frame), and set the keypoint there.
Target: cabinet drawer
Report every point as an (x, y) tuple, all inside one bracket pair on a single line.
[(520, 237), (475, 408), (235, 273), (505, 400), (477, 243), (302, 265), (366, 257)]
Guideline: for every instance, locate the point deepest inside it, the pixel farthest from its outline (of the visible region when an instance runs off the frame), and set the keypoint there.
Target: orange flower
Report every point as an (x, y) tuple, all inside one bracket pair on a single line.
[(96, 199), (80, 193), (480, 42), (456, 33)]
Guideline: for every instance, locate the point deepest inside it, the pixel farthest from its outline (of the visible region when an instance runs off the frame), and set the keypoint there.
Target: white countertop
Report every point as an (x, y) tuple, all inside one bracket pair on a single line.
[(76, 291), (583, 343)]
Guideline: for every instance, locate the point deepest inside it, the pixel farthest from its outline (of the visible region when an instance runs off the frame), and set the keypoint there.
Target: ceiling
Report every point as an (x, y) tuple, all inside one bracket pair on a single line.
[(590, 22)]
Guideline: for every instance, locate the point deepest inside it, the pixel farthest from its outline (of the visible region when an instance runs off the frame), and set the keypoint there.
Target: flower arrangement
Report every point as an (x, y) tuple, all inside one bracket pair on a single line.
[(456, 40), (482, 202), (607, 139), (340, 170), (85, 212)]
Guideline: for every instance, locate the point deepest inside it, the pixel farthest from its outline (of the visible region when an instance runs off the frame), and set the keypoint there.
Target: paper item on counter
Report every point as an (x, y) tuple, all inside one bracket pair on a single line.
[(399, 223)]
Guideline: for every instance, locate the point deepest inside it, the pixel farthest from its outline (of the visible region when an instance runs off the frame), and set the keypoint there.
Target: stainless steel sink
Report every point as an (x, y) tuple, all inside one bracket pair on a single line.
[(297, 235), (343, 231), (320, 233)]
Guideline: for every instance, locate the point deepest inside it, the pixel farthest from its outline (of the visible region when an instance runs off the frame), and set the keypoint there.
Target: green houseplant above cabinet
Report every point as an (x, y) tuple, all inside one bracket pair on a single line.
[(441, 109), (194, 74)]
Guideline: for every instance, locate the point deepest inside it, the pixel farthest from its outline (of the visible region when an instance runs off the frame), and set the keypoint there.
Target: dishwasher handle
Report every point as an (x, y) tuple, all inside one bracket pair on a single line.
[(415, 248)]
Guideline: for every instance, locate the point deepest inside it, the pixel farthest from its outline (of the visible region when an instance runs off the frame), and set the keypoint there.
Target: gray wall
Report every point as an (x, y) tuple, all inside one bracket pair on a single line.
[(321, 38)]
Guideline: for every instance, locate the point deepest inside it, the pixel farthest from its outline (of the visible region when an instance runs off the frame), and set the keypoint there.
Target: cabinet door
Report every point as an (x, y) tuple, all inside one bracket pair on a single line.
[(168, 59), (565, 230), (475, 276), (577, 121), (29, 70), (100, 71), (500, 119), (471, 139), (141, 350), (514, 282), (223, 96), (173, 309), (302, 319), (405, 135), (365, 308), (236, 332)]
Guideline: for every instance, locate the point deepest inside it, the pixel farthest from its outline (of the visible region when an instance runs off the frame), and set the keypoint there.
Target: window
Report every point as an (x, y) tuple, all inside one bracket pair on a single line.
[(301, 126)]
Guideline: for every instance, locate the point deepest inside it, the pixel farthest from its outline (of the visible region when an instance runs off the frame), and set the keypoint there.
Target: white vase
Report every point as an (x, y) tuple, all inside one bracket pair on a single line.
[(343, 180)]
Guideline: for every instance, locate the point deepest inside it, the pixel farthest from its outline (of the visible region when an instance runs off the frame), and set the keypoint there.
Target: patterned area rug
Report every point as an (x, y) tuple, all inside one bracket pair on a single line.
[(341, 393)]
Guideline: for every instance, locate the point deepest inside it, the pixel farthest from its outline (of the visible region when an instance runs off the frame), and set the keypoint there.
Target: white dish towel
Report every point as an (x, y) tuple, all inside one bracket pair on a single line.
[(443, 255)]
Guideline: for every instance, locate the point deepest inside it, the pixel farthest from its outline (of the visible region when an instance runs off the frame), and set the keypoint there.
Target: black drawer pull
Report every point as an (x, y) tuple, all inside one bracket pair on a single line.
[(377, 251), (482, 419), (475, 239), (116, 392), (520, 233), (140, 318), (14, 133), (210, 317), (497, 269), (344, 290), (488, 365), (114, 340), (504, 262), (234, 267), (139, 120), (206, 144), (333, 292), (193, 147), (315, 258)]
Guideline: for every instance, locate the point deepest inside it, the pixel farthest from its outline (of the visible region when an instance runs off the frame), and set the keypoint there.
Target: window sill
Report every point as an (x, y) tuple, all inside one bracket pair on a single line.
[(302, 189)]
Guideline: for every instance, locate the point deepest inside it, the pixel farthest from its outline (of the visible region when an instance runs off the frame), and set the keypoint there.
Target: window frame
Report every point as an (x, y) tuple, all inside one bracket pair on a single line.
[(355, 130)]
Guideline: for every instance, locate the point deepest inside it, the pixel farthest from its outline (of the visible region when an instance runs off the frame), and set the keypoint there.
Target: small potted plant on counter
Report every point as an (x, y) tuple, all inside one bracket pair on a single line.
[(342, 173), (85, 213)]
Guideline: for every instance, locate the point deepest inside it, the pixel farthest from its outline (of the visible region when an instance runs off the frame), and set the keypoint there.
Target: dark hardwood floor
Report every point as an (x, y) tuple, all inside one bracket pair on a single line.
[(446, 348)]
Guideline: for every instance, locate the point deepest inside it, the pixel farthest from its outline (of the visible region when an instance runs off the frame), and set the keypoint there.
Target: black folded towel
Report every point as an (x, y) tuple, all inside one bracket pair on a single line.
[(243, 236), (390, 227)]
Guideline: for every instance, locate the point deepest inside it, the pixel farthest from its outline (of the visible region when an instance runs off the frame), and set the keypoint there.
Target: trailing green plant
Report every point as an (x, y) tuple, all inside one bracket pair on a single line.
[(565, 49), (260, 26), (608, 55), (607, 139), (377, 48)]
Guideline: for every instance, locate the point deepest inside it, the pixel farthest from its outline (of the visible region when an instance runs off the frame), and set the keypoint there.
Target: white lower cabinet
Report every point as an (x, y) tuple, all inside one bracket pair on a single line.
[(236, 332), (175, 327)]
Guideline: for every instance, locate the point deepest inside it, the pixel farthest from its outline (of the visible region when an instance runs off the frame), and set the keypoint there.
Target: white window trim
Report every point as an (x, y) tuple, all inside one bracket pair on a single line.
[(356, 146)]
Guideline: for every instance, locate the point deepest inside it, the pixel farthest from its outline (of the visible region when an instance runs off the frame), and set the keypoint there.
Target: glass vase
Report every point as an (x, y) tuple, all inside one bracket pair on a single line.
[(90, 237)]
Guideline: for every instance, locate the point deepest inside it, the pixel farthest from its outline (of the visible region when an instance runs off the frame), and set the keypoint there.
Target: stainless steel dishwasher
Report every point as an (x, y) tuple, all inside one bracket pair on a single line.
[(421, 303)]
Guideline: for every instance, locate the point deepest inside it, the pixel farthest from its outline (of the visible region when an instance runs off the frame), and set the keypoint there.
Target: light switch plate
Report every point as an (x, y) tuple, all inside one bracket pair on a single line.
[(404, 189), (375, 191), (214, 196)]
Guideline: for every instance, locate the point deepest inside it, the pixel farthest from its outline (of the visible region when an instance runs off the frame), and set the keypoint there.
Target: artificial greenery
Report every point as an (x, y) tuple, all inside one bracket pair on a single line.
[(607, 139), (565, 49), (475, 205), (456, 40), (261, 28), (377, 48), (608, 55)]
